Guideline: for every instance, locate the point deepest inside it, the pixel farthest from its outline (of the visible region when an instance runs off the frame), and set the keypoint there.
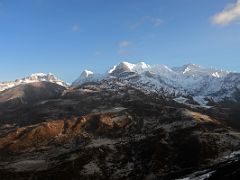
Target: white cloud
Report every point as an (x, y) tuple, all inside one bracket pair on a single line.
[(76, 28), (230, 14), (123, 47)]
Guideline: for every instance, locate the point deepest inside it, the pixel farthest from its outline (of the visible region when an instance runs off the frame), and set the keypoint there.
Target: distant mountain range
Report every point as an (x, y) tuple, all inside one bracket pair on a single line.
[(204, 85), (190, 82), (38, 77)]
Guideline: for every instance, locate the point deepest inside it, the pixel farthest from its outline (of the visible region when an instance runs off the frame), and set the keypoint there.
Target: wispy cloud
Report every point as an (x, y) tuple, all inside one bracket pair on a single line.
[(76, 28), (147, 21), (123, 47), (230, 14)]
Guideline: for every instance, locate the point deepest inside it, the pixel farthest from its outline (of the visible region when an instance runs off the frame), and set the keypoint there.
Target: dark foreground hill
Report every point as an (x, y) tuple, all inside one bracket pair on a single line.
[(108, 131)]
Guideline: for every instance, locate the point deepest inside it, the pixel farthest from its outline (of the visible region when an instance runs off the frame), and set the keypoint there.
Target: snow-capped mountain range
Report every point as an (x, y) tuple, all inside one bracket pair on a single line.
[(199, 83), (202, 84), (37, 77)]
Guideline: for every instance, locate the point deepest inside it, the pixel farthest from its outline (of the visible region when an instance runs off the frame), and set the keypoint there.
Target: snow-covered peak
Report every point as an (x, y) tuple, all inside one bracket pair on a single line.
[(187, 69), (37, 77), (122, 67), (141, 67), (129, 67), (161, 70), (192, 66), (86, 73), (87, 76), (41, 77), (188, 80), (192, 72), (199, 71)]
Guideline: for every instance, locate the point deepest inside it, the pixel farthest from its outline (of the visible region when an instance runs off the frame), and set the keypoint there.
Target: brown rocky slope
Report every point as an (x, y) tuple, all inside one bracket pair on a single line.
[(109, 131)]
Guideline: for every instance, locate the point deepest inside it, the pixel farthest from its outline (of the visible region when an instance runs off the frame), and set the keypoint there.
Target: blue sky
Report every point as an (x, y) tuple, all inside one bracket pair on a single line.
[(67, 36)]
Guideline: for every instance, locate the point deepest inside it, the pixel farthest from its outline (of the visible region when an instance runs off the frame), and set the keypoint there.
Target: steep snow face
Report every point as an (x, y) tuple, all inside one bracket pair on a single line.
[(189, 80), (87, 76), (196, 70), (37, 77), (128, 67)]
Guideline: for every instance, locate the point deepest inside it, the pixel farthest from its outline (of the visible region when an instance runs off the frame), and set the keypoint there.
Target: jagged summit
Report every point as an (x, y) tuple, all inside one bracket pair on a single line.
[(86, 73), (129, 67), (196, 70), (36, 77), (41, 77), (86, 76), (160, 70), (190, 79), (187, 68)]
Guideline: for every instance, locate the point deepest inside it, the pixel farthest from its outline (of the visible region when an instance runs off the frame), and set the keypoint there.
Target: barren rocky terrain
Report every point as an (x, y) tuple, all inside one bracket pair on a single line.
[(109, 131)]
